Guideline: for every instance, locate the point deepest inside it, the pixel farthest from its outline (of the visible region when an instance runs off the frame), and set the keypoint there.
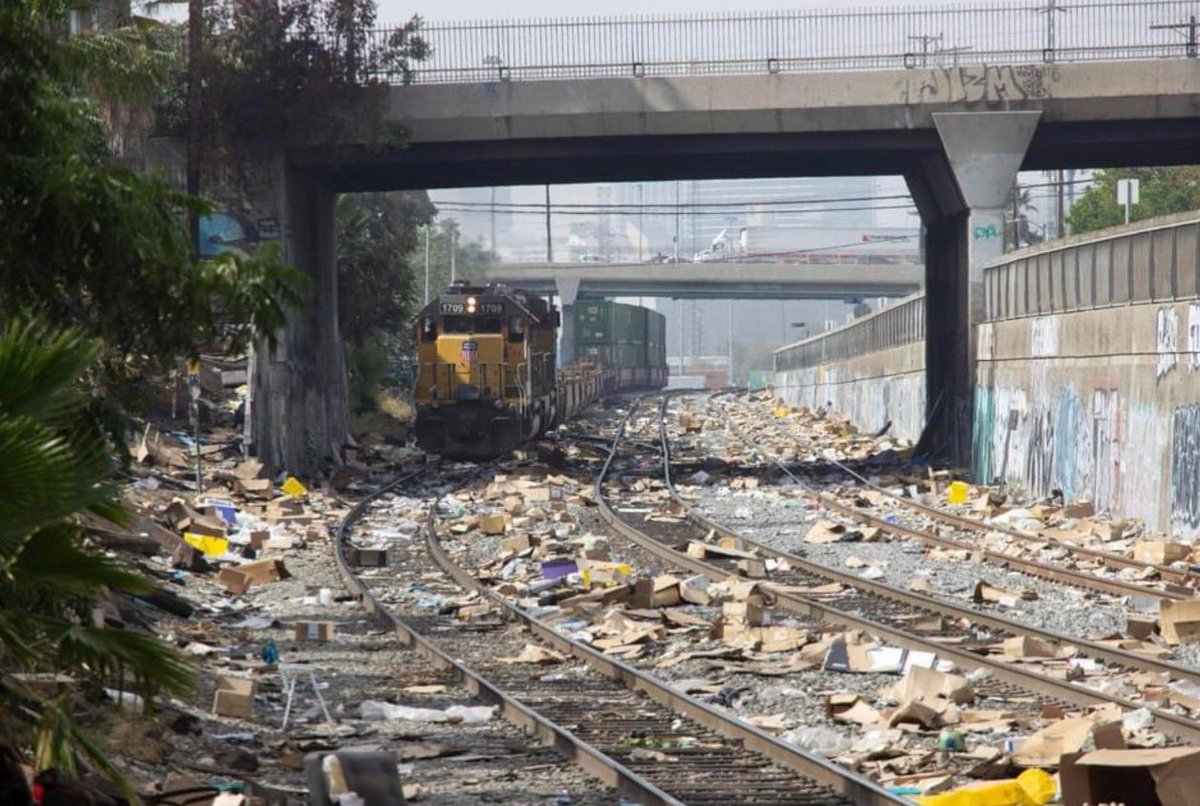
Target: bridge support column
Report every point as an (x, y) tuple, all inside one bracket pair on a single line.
[(299, 414), (964, 220), (567, 289)]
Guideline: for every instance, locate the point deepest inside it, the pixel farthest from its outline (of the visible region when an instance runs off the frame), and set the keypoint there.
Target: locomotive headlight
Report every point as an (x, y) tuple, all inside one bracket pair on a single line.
[(470, 305)]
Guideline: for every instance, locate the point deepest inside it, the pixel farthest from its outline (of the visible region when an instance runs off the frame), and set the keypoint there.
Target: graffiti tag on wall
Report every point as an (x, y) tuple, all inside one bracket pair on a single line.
[(1193, 336), (1166, 341), (1043, 336), (1185, 466), (222, 231), (974, 83)]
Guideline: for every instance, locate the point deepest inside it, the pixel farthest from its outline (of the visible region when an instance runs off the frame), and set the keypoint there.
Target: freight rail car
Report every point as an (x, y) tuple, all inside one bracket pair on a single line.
[(487, 376), (628, 340)]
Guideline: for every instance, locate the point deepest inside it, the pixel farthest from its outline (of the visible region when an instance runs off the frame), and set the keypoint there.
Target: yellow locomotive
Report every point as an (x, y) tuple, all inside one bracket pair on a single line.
[(487, 379)]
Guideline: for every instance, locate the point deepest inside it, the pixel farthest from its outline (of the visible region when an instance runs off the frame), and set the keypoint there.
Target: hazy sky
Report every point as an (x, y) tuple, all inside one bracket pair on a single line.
[(396, 10)]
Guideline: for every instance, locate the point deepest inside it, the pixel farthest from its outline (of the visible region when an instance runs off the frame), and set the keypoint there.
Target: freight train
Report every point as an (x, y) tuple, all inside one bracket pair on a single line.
[(487, 376)]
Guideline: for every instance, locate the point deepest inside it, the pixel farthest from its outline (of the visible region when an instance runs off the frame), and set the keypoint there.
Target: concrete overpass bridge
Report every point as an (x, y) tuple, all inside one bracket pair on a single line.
[(712, 280), (774, 100)]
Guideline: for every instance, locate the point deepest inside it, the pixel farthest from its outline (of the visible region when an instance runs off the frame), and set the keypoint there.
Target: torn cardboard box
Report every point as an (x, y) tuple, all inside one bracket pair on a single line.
[(1179, 620), (1164, 776)]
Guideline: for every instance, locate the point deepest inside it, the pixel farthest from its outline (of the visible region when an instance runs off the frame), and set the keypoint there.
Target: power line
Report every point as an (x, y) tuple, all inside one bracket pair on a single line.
[(541, 210), (672, 207)]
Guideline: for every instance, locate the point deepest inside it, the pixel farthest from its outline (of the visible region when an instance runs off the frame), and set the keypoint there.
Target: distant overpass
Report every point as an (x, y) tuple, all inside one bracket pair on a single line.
[(712, 280)]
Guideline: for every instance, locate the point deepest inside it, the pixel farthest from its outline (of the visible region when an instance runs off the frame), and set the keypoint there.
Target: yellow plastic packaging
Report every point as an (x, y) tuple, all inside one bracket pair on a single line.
[(1033, 787), (958, 492), (210, 546), (294, 488)]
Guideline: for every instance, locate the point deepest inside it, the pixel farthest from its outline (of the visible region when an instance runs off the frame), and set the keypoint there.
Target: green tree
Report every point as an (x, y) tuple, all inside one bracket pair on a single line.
[(1163, 191), (377, 237), (53, 465), (87, 241), (296, 71), (472, 258)]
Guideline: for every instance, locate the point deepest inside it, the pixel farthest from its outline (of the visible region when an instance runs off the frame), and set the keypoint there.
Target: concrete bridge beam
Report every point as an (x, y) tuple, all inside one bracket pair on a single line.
[(962, 197), (567, 289), (299, 413)]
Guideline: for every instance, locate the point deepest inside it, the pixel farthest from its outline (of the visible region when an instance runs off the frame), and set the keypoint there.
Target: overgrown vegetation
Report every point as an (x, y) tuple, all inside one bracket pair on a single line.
[(1162, 190), (54, 464), (297, 71), (88, 242)]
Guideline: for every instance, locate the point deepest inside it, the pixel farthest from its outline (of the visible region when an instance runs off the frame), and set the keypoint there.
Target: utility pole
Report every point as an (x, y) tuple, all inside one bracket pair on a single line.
[(681, 336), (195, 34), (493, 220), (926, 40), (453, 255), (641, 223), (1190, 26), (1050, 9), (549, 246), (1060, 225), (677, 224), (729, 317), (427, 228)]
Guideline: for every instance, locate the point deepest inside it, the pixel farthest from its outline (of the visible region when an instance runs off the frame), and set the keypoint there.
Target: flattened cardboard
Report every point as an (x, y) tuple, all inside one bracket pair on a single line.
[(1043, 748), (926, 685)]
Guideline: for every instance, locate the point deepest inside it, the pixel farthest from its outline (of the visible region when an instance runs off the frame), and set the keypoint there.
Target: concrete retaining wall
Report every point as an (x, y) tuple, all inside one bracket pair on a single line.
[(872, 389), (1088, 373), (1102, 404)]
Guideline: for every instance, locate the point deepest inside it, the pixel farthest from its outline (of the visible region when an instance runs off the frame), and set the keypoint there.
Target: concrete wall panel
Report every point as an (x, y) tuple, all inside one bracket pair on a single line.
[(871, 389), (1110, 412)]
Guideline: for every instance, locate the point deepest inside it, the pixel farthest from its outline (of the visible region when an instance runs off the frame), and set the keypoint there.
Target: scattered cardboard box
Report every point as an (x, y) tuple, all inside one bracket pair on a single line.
[(989, 593), (1160, 552), (234, 697), (493, 523), (824, 531), (1164, 776), (1179, 620), (321, 631), (368, 558), (661, 591)]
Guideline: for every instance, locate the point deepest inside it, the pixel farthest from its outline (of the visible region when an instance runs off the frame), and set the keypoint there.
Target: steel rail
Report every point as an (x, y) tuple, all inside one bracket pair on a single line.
[(1172, 724), (1108, 558), (840, 781), (925, 602), (608, 770)]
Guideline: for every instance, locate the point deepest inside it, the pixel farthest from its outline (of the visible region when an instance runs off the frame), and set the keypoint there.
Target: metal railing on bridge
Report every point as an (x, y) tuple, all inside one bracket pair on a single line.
[(806, 40), (1157, 260), (893, 326)]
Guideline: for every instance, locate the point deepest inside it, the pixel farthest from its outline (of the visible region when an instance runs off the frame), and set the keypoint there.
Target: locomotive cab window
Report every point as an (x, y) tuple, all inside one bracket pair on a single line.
[(516, 328), (428, 330), (469, 324)]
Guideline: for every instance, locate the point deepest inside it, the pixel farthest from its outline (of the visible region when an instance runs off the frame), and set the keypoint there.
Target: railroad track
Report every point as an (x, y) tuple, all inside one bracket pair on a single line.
[(1183, 580), (591, 714), (885, 611)]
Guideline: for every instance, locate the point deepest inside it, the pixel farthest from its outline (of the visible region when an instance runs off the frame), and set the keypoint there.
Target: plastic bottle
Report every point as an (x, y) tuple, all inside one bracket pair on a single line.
[(1033, 787), (270, 652)]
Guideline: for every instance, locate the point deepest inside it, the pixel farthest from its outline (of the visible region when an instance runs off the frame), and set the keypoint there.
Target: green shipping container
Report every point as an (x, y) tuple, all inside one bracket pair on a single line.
[(760, 379), (606, 322)]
